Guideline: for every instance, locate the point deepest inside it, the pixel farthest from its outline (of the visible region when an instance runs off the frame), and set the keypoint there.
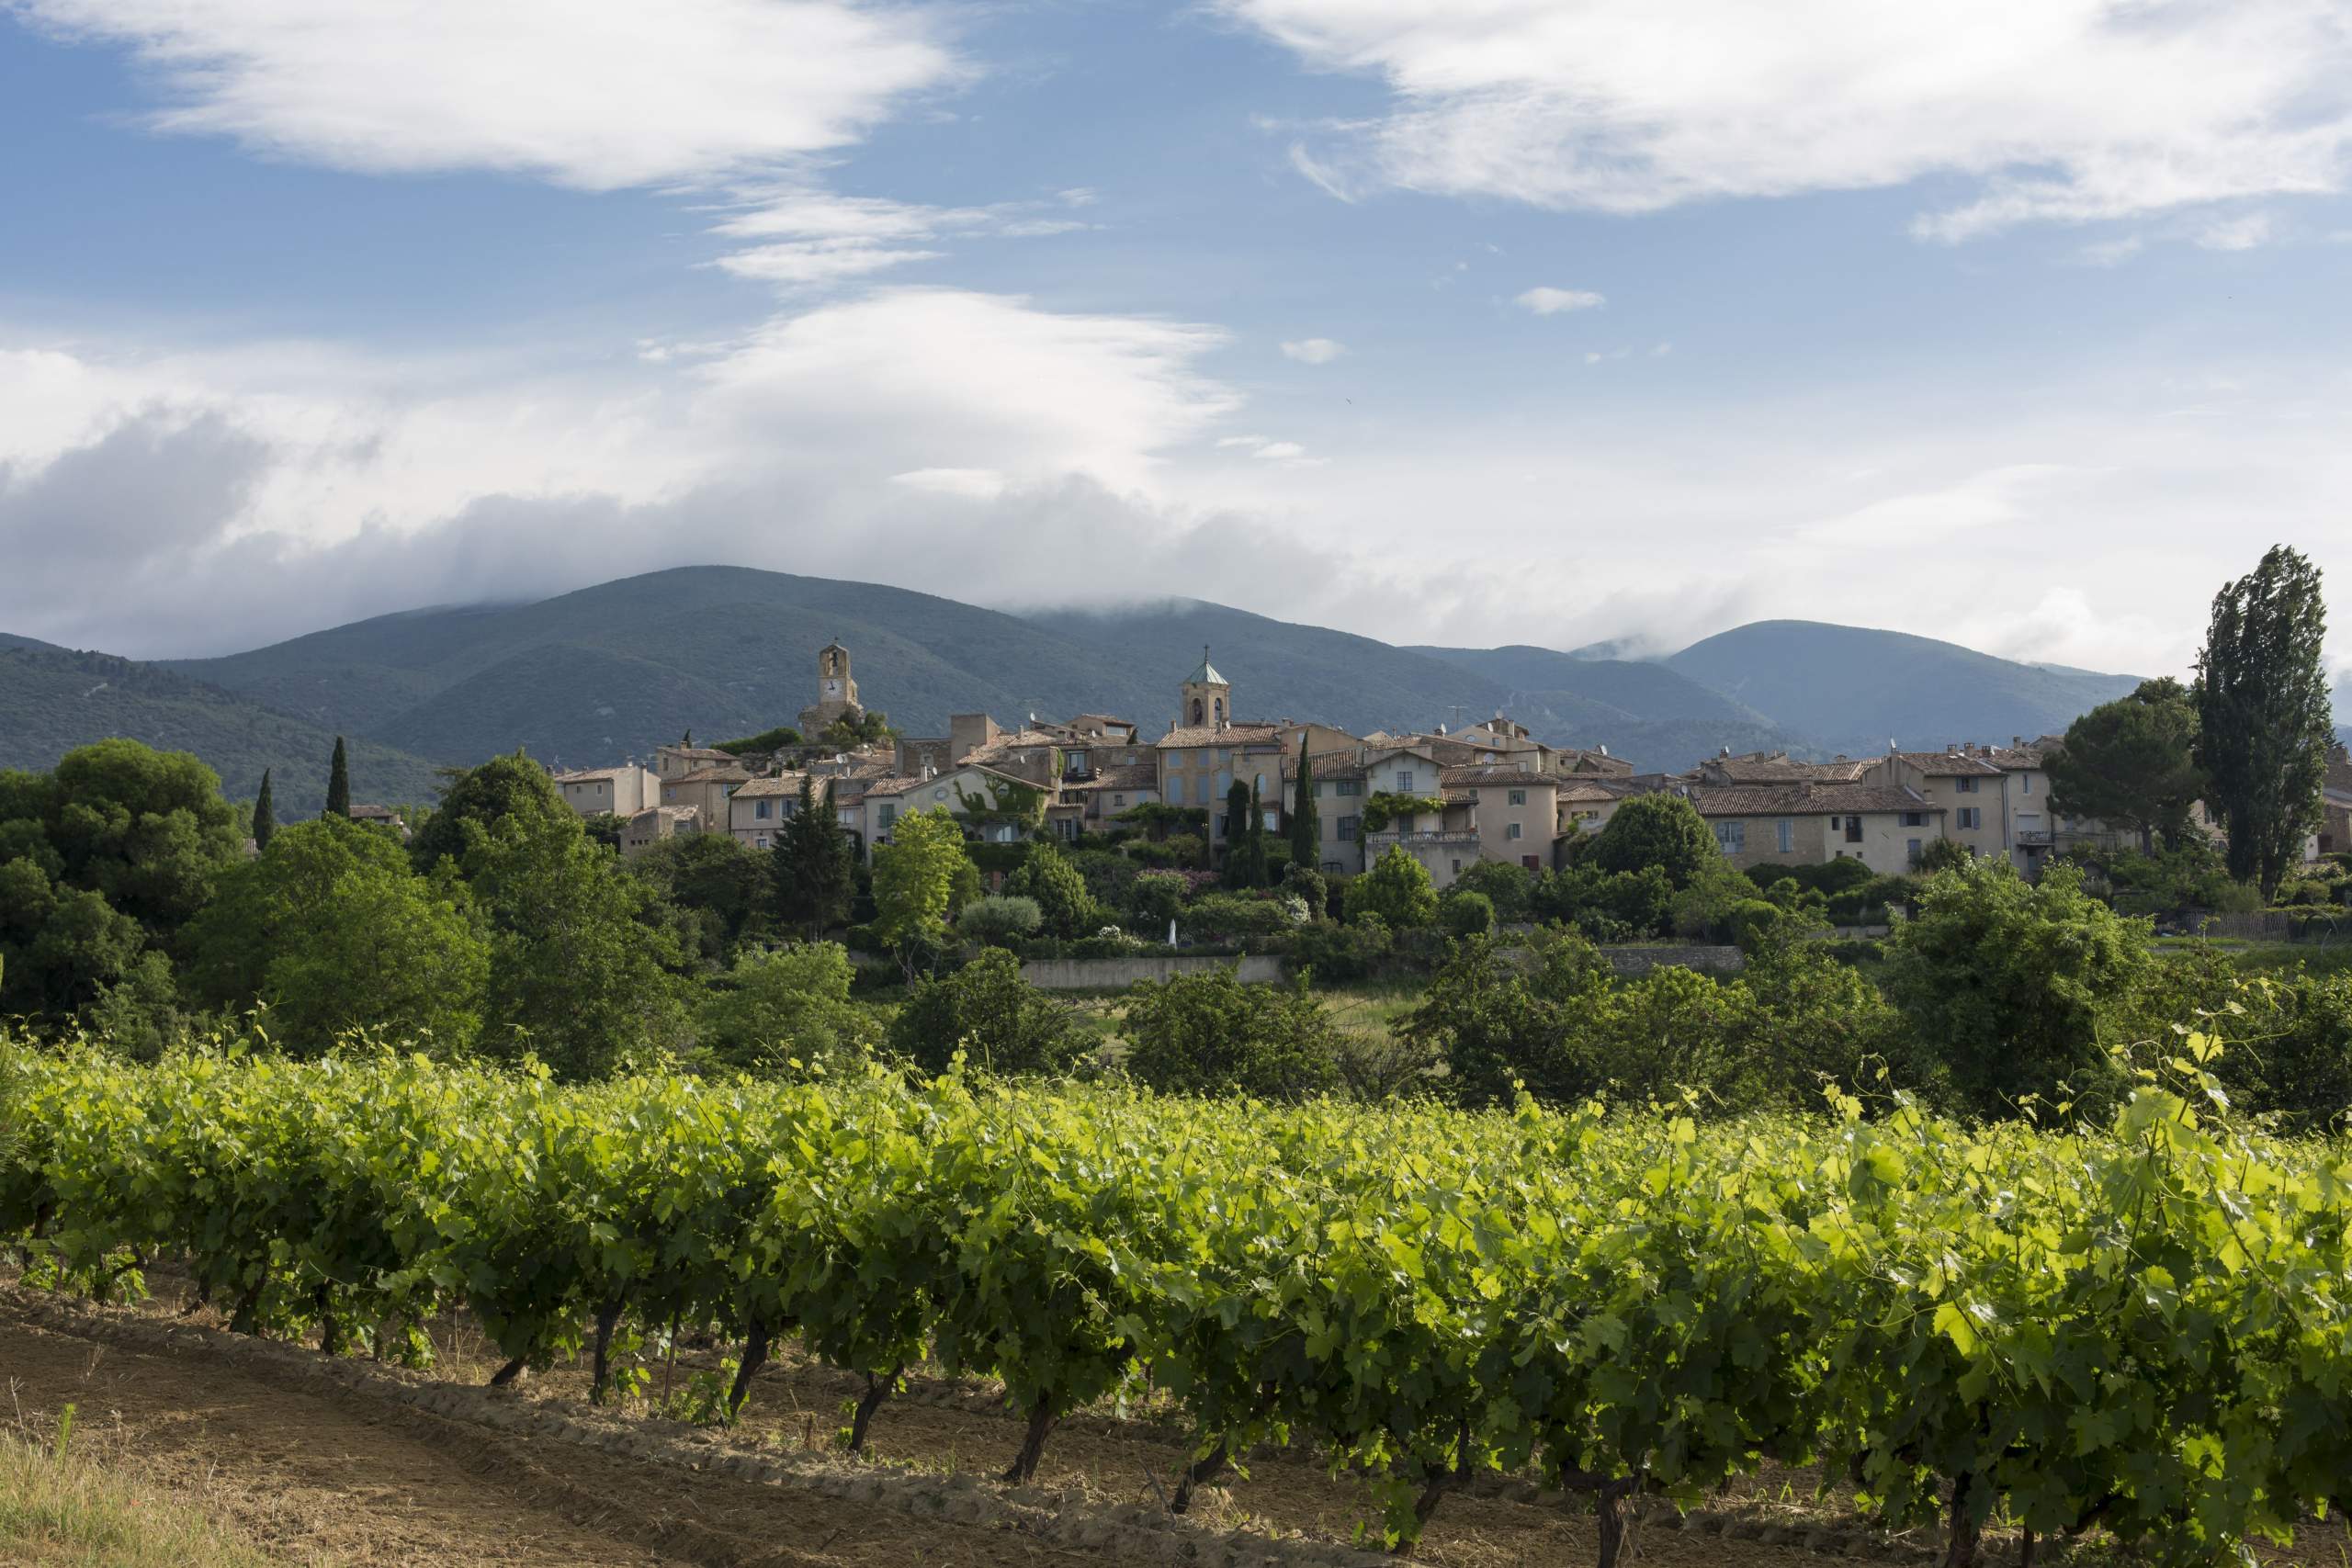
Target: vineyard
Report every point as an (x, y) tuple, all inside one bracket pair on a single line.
[(2138, 1327)]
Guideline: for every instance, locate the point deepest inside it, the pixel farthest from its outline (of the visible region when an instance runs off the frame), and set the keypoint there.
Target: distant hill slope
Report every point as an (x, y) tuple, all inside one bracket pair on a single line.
[(1853, 689), (615, 669), (52, 700)]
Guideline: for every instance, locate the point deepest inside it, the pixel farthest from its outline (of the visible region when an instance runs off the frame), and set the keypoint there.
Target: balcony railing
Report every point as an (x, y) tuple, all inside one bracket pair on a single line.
[(2034, 837), (1375, 842)]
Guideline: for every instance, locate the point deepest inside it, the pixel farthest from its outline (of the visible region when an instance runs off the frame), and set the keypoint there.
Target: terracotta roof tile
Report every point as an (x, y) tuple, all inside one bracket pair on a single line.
[(1805, 799)]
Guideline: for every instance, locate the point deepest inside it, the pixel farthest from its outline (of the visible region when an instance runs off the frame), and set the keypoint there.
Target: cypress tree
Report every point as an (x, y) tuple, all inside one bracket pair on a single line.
[(265, 814), (1306, 831), (2264, 729), (1237, 818), (339, 783), (814, 875)]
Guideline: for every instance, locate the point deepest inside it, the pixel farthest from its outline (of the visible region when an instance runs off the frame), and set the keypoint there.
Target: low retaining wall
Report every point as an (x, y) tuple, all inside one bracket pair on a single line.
[(1118, 974)]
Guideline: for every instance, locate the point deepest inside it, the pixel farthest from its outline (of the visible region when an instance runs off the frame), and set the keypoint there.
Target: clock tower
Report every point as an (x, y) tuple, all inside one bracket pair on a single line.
[(836, 691)]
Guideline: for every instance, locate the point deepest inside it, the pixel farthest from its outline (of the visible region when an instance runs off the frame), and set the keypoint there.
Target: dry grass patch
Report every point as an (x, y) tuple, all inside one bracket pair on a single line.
[(66, 1505)]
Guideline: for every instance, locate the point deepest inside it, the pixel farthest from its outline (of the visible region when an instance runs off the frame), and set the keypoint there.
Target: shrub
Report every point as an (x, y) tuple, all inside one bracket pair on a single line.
[(1066, 907), (1155, 899), (1335, 952), (1307, 884), (1494, 1024), (1398, 888), (1211, 1035), (2015, 988), (1506, 886), (1944, 854), (775, 1007), (1754, 922), (999, 922), (1466, 914), (1621, 906), (1002, 1022), (1227, 917), (1185, 851)]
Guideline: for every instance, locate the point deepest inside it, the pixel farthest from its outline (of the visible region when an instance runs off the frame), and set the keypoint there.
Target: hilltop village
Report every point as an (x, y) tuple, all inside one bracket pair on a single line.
[(1486, 792)]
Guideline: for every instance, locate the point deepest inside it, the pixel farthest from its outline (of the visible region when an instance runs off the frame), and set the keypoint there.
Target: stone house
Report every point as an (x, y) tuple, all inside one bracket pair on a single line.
[(1810, 821), (656, 823), (757, 811), (610, 791), (706, 789)]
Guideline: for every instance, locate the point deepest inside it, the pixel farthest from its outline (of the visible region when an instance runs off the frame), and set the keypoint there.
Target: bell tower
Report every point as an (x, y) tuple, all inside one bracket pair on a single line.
[(1207, 699), (836, 691)]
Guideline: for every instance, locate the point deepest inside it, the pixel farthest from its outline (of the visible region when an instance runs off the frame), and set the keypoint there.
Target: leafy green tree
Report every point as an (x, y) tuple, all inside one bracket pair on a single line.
[(332, 930), (141, 1015), (2013, 987), (997, 922), (2131, 763), (1307, 885), (720, 887), (108, 854), (1237, 818), (778, 1007), (1944, 854), (1497, 1024), (1003, 1024), (1662, 831), (504, 787), (1306, 826), (1058, 889), (2263, 710), (339, 782), (265, 814), (815, 869), (1466, 914), (1211, 1035), (581, 964), (1506, 886), (1398, 889), (914, 881)]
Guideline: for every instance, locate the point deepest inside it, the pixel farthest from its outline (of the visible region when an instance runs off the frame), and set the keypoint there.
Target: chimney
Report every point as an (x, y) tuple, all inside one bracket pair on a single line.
[(1604, 749)]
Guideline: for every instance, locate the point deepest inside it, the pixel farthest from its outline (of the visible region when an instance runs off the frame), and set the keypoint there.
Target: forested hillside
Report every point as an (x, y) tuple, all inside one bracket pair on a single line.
[(52, 700)]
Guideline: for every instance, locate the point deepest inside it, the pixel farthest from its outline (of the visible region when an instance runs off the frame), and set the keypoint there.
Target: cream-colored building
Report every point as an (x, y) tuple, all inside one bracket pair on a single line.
[(677, 761), (706, 790), (1584, 806), (886, 802), (1807, 822), (1113, 790), (1515, 808), (757, 811), (657, 823), (1973, 789), (610, 791)]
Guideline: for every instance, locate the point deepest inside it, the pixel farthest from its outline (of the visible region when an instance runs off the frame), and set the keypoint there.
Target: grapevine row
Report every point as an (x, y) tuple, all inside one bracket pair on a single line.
[(2140, 1326)]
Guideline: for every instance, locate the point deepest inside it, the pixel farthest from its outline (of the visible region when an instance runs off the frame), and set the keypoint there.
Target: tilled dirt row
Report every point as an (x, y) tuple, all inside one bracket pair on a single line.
[(347, 1461)]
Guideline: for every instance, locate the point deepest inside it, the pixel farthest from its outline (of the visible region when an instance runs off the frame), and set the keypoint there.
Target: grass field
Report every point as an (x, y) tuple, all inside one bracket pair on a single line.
[(64, 1504)]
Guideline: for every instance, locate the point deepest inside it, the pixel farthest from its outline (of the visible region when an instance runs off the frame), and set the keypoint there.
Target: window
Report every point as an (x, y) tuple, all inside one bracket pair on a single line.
[(2025, 783), (1348, 828), (1914, 820), (1971, 816), (1457, 868), (1731, 837), (1224, 786), (1404, 781), (939, 794), (885, 816), (1518, 798), (1853, 830), (1224, 755), (1964, 785), (1260, 781), (1531, 862), (1332, 865), (1911, 847), (1346, 786), (1118, 800), (1788, 837), (760, 809), (1514, 831)]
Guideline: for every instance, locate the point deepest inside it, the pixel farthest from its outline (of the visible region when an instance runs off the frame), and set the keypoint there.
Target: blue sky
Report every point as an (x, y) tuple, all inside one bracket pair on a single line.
[(1474, 320)]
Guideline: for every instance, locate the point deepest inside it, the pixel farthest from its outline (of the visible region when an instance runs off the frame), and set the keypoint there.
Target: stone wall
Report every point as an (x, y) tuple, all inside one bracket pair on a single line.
[(1118, 974)]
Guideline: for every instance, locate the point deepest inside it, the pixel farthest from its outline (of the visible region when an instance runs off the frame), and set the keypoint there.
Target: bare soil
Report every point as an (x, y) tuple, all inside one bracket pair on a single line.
[(344, 1463)]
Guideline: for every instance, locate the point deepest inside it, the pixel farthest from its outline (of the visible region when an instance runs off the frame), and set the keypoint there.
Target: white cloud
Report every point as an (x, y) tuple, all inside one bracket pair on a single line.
[(2111, 253), (806, 237), (1280, 449), (982, 484), (2063, 109), (595, 93), (1314, 350), (2241, 233), (1548, 301)]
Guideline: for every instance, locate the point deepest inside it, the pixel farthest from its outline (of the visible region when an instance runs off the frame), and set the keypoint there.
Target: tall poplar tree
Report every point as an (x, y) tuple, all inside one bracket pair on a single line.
[(339, 783), (264, 814), (1306, 830), (2264, 724)]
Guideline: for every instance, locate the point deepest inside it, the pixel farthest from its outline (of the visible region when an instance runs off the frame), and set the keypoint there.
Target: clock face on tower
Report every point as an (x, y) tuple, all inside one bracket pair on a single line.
[(832, 689)]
